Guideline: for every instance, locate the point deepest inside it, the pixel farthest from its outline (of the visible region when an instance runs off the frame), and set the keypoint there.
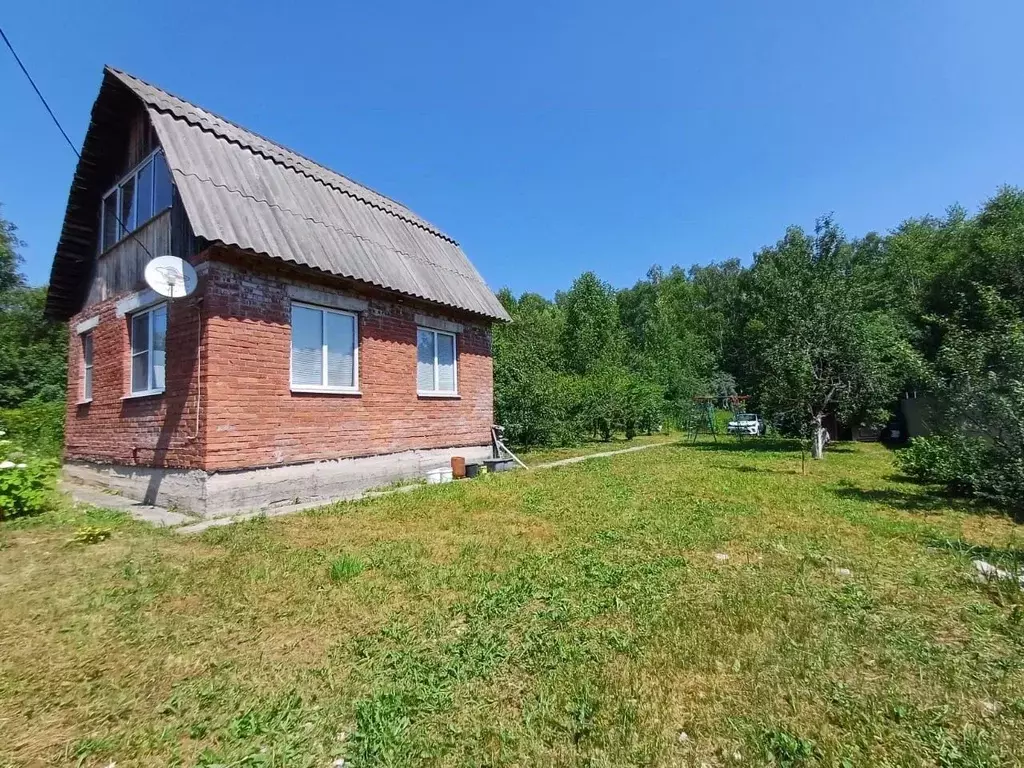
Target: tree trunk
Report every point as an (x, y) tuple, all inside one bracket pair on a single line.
[(818, 440)]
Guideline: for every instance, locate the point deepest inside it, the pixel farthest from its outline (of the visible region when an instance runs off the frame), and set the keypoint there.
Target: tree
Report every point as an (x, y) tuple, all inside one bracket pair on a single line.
[(10, 260), (591, 335), (814, 344), (33, 350), (722, 386), (718, 298), (973, 338), (532, 399), (661, 327)]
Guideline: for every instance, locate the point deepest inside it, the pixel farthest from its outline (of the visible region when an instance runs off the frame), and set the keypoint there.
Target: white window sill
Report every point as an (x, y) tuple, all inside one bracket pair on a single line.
[(146, 393), (84, 402), (327, 391), (441, 395)]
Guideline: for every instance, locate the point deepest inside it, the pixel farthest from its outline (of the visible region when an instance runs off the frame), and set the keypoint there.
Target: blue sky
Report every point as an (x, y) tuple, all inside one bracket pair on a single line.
[(557, 137)]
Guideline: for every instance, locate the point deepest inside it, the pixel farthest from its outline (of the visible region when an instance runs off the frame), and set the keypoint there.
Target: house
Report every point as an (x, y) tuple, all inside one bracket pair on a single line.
[(335, 340)]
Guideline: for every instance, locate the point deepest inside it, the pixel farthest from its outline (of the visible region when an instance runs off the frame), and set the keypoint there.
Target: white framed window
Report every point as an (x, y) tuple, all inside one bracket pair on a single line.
[(135, 199), (86, 366), (148, 332), (325, 349), (436, 363)]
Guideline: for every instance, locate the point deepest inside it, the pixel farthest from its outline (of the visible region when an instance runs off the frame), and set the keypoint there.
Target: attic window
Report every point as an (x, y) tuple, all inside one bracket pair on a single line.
[(137, 198)]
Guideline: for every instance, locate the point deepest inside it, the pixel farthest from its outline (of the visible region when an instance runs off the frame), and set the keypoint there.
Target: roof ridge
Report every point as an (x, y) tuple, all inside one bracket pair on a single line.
[(405, 212)]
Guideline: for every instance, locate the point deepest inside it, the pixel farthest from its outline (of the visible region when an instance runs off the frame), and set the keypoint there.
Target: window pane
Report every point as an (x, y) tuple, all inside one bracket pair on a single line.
[(140, 333), (161, 183), (128, 205), (424, 361), (159, 346), (341, 346), (140, 372), (307, 347), (445, 363), (87, 366), (109, 220), (144, 194)]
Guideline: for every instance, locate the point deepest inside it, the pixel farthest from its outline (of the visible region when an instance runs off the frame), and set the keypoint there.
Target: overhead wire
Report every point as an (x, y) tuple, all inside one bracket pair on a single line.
[(117, 218), (63, 133)]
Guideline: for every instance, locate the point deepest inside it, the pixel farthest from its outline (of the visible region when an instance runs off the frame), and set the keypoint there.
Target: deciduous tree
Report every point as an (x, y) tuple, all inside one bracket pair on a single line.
[(814, 344)]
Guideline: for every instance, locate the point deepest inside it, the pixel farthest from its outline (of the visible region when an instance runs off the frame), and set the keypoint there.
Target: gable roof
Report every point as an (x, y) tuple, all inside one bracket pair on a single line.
[(241, 189)]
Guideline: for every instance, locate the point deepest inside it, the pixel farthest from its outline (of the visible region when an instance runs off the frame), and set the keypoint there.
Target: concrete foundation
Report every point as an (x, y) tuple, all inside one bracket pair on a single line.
[(216, 494)]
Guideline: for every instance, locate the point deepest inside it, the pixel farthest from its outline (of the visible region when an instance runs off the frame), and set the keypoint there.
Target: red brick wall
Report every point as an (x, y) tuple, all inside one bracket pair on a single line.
[(249, 416), (153, 431), (255, 419)]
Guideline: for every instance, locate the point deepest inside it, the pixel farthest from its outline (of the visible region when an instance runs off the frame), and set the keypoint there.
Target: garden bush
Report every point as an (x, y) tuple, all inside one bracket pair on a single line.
[(26, 481), (953, 461), (968, 466), (39, 424)]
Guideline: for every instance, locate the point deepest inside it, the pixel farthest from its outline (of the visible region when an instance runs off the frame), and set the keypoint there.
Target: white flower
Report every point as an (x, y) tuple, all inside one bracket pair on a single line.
[(21, 466), (7, 464)]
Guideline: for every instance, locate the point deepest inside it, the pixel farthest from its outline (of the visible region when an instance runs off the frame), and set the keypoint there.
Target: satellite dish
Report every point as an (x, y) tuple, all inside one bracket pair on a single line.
[(171, 277)]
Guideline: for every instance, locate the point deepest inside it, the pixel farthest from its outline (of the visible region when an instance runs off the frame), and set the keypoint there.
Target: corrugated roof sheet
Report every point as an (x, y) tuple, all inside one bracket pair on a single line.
[(241, 189)]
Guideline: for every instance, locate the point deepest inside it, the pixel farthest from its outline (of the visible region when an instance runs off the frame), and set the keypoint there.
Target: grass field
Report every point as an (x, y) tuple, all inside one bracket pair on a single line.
[(543, 455), (574, 616)]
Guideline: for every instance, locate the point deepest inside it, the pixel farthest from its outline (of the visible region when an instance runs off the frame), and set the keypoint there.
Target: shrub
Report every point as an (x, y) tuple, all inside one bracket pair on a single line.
[(38, 424), (954, 461), (26, 481), (977, 379)]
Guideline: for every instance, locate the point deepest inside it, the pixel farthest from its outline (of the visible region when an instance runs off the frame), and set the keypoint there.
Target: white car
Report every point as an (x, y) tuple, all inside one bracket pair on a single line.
[(746, 424)]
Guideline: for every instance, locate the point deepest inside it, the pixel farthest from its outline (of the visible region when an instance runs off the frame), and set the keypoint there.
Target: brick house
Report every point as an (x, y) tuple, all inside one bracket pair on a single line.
[(335, 340)]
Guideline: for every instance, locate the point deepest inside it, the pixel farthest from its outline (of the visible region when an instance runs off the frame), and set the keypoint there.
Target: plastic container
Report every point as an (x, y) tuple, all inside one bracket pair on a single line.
[(458, 466), (498, 465), (439, 475)]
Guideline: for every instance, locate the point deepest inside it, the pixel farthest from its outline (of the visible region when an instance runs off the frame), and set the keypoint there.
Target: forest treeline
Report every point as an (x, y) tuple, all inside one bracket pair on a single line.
[(817, 324)]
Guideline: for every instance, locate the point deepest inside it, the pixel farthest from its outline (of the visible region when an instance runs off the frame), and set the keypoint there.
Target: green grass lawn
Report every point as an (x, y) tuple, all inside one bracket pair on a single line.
[(572, 616), (543, 455)]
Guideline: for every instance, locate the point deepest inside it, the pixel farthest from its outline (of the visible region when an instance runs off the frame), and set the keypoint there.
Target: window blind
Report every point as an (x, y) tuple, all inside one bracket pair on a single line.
[(424, 361), (341, 349), (307, 347)]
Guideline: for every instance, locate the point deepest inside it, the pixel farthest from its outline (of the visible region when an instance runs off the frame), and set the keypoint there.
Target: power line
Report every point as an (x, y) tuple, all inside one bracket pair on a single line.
[(35, 88), (63, 133)]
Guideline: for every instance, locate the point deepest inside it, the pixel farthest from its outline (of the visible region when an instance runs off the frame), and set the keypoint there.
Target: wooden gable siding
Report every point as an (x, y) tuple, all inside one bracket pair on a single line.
[(121, 267), (141, 141)]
